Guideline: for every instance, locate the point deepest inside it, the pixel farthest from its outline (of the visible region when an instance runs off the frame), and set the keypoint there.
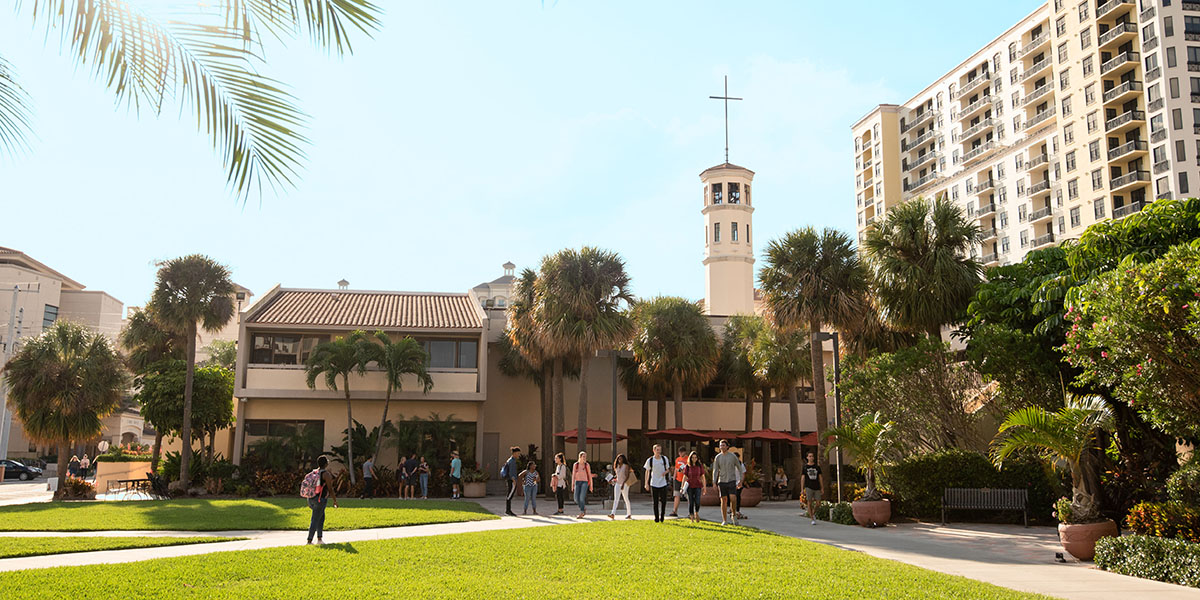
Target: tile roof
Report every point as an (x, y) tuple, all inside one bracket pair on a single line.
[(369, 310)]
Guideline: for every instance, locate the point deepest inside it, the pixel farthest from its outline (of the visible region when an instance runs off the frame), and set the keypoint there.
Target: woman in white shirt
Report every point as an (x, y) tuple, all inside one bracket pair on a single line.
[(620, 485), (558, 481)]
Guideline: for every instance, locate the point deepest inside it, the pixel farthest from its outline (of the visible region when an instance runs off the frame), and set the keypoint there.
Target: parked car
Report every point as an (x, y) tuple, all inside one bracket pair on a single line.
[(17, 470)]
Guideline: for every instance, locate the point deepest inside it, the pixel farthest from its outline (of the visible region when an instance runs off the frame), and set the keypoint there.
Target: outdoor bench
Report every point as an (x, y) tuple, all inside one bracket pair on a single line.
[(985, 499)]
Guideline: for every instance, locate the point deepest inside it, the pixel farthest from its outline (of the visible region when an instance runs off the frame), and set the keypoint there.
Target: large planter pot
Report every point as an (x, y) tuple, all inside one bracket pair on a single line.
[(870, 513), (475, 489), (751, 496), (1080, 539), (710, 497)]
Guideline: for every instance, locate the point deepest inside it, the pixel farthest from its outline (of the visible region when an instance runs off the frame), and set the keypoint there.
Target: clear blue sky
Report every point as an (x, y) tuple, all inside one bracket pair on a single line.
[(466, 134)]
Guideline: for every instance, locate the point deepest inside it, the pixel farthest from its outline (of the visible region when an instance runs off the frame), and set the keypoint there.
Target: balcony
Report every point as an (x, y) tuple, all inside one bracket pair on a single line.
[(976, 106), (1128, 180), (976, 129), (1037, 161), (867, 183), (1147, 14), (988, 259), (1043, 240), (871, 220), (921, 139), (974, 84), (1112, 5), (1161, 167), (866, 164), (984, 186), (1158, 136), (978, 151), (921, 160), (1154, 105), (287, 381), (1040, 118), (1163, 195), (985, 209), (1041, 213), (1115, 33), (1038, 93), (1121, 212), (917, 119), (1150, 44), (1039, 187), (1125, 58), (913, 186), (1036, 69), (1120, 92), (987, 234), (1122, 122), (1127, 148), (1032, 45)]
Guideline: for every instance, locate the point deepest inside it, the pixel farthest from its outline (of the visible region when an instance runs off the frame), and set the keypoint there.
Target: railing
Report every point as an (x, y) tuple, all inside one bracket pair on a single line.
[(866, 164), (984, 186), (986, 209), (1122, 150), (1043, 240), (1038, 93), (1161, 167), (1128, 209), (921, 139), (1115, 32), (1129, 117), (1150, 44), (924, 158), (1110, 6), (1040, 117), (1039, 187), (971, 85), (922, 181), (1037, 161), (1128, 178), (976, 105), (1121, 90), (976, 128), (1158, 136), (1034, 44), (1147, 14), (978, 150), (1153, 74), (1040, 214), (1118, 60), (988, 258), (1163, 195), (1154, 105), (988, 233), (870, 220), (917, 119), (1035, 69)]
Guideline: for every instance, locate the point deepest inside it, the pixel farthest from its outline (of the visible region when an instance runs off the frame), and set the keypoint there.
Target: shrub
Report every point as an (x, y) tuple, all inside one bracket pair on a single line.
[(1183, 486), (1063, 511), (74, 488), (474, 476), (1168, 520), (842, 513), (1172, 561), (917, 481), (123, 454), (823, 509), (270, 483), (244, 490)]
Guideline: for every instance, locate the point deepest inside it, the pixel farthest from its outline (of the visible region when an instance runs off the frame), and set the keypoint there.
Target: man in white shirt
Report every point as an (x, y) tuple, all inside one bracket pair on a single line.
[(658, 470)]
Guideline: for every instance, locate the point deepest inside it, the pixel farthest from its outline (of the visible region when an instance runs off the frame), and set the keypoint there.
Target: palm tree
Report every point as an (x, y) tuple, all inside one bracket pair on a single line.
[(62, 383), (209, 58), (513, 363), (924, 276), (340, 357), (1062, 436), (674, 342), (782, 358), (871, 441), (397, 359), (741, 332), (813, 279), (522, 356), (147, 340), (191, 292), (580, 295)]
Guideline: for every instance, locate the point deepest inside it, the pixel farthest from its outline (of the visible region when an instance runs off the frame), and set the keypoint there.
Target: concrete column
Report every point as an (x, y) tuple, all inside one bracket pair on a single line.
[(239, 431)]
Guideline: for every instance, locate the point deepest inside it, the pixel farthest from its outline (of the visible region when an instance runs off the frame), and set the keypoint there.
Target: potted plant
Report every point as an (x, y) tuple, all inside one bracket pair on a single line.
[(474, 483), (1064, 437), (869, 440), (752, 492)]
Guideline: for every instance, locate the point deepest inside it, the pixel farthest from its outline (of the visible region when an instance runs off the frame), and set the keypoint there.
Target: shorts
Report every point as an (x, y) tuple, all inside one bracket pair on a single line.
[(812, 495), (455, 480), (727, 488), (414, 479), (676, 487)]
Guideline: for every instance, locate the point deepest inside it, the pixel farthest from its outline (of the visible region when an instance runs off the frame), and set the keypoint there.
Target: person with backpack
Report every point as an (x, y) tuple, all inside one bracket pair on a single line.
[(558, 481), (581, 475), (317, 488), (622, 474), (811, 475), (509, 474), (368, 468), (681, 462), (658, 471), (694, 483), (530, 480)]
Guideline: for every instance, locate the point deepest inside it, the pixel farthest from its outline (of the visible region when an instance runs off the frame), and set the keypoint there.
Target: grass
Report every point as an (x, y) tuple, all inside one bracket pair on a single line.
[(196, 514), (637, 559), (13, 547)]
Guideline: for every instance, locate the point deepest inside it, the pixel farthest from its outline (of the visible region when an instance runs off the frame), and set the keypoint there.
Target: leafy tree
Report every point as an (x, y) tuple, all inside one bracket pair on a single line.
[(397, 359), (781, 359), (736, 367), (675, 343), (871, 442), (191, 292), (924, 276), (222, 353), (62, 383), (147, 340), (521, 355), (340, 357), (161, 391), (209, 58), (365, 443), (815, 279)]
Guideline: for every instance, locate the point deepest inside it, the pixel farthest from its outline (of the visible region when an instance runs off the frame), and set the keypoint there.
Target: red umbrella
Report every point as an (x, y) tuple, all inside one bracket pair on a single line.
[(594, 436), (677, 435), (721, 434), (770, 435), (809, 439)]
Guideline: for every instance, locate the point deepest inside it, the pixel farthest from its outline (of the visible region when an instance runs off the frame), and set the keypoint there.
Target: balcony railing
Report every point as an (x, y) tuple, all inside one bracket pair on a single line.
[(1161, 167), (1150, 44), (976, 128), (867, 164), (1043, 240), (1038, 93), (976, 105), (1034, 44), (1035, 69), (1122, 150), (1040, 214), (1110, 6), (986, 209), (1154, 105), (988, 259), (922, 181), (1147, 14), (1153, 74), (1115, 32), (1128, 179), (1124, 119), (917, 119), (1037, 161), (1040, 117), (984, 186), (1128, 209), (1118, 60), (988, 233), (920, 160), (1039, 187), (870, 220), (921, 139), (978, 150), (1158, 136), (1120, 90), (974, 84)]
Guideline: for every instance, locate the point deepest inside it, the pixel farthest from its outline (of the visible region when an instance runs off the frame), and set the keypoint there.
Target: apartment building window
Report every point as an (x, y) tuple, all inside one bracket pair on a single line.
[(1058, 5), (1060, 25), (1162, 185), (1054, 143), (1062, 52), (1156, 123), (1062, 225), (1148, 32), (717, 190), (1018, 162), (1075, 220), (1180, 154), (999, 170), (1089, 94), (1183, 183), (283, 349), (1173, 86), (1000, 109), (1017, 123), (954, 193), (733, 231), (1073, 189), (1012, 78), (1098, 208), (716, 233), (1193, 54), (998, 85), (451, 354), (1070, 161), (970, 185), (1002, 194), (955, 157), (1169, 25), (1085, 38), (1025, 239), (1000, 131), (1151, 62), (1171, 62), (1083, 12), (1177, 118), (1097, 179), (1020, 187), (1012, 52), (1094, 151), (1004, 245), (996, 62), (1153, 94), (1069, 133), (1022, 213), (1064, 79), (1066, 106), (1087, 65), (1195, 81), (1004, 220), (1092, 120), (1058, 197), (1057, 171), (49, 316)]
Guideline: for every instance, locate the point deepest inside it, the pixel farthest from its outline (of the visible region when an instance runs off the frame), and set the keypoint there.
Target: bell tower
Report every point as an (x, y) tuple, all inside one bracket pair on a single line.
[(728, 243)]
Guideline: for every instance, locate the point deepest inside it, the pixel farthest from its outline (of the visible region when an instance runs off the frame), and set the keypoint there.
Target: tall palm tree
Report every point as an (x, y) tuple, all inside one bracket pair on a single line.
[(924, 275), (513, 363), (62, 383), (147, 340), (675, 342), (208, 58), (523, 356), (397, 359), (579, 310), (782, 358), (814, 279), (340, 357), (870, 440), (1062, 436), (741, 332), (192, 291)]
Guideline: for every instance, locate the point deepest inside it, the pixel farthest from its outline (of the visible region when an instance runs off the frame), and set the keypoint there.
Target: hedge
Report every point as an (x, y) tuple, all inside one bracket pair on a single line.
[(1165, 519), (1161, 559), (1184, 485), (917, 482)]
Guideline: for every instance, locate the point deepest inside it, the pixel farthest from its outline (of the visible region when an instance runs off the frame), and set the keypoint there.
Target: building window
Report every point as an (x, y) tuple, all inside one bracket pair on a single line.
[(1153, 93), (1173, 86), (1097, 179), (1094, 151), (1022, 213), (1060, 25), (310, 435), (1083, 12), (735, 193), (49, 316), (1018, 162), (1073, 189), (1089, 94), (1092, 121), (1070, 161), (1183, 183), (1025, 238), (1066, 106), (1085, 38), (954, 193), (716, 193), (1169, 25), (1177, 118), (283, 348), (1062, 225), (1064, 79), (1004, 245), (451, 354), (1087, 65), (1162, 185), (733, 231), (1075, 217), (1012, 52), (747, 233), (1098, 208), (1171, 62), (716, 232), (1003, 219), (1062, 52)]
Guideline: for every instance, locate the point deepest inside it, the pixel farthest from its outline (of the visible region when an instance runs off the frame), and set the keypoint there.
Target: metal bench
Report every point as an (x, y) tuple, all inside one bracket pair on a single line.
[(985, 499)]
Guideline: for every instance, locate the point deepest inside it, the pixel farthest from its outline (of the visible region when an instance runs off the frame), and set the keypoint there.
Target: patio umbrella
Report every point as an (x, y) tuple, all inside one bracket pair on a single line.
[(721, 434), (593, 436), (770, 435), (809, 439), (677, 435)]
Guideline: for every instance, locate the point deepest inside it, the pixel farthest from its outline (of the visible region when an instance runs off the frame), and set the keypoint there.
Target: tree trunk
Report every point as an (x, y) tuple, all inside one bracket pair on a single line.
[(818, 384), (581, 423), (768, 472), (794, 409), (677, 393), (158, 436), (749, 410), (185, 434), (544, 392), (645, 413), (349, 430), (212, 441), (64, 450), (387, 402), (560, 420), (935, 333), (660, 411)]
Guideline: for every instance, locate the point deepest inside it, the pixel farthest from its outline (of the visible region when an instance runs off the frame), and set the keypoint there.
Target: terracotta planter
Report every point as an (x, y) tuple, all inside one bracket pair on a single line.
[(751, 496), (874, 512), (1080, 539), (475, 489), (710, 497)]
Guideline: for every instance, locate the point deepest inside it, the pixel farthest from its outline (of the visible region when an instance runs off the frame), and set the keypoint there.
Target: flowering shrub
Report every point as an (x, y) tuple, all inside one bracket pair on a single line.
[(1170, 520), (1173, 561), (74, 488), (1184, 485)]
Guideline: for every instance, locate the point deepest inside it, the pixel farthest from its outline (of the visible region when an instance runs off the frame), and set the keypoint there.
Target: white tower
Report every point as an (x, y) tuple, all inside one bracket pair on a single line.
[(728, 249)]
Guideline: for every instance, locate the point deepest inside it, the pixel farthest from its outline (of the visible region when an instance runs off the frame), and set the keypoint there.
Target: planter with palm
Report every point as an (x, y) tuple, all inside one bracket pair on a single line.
[(675, 343), (870, 442), (340, 358)]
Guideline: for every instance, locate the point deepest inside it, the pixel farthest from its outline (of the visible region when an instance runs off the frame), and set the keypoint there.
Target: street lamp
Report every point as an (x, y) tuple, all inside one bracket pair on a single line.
[(614, 355), (819, 337)]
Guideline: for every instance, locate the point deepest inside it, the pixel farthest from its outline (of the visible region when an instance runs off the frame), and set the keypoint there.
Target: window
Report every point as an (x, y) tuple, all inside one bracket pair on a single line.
[(1073, 189), (1097, 179), (1062, 225), (1022, 213), (283, 348), (1085, 38), (735, 192), (1195, 81), (1151, 62), (1062, 52), (1075, 221), (1003, 219), (1156, 123), (1002, 194), (1066, 106), (1159, 153), (1148, 32), (1025, 238), (1180, 153), (1153, 93), (716, 233), (1162, 185), (1012, 52), (1177, 118), (716, 193), (1089, 93), (747, 233), (1013, 76), (1171, 56), (1018, 162), (1087, 65), (1183, 183), (1004, 245), (1173, 85), (1094, 151), (1070, 161), (451, 354), (1083, 12), (733, 231), (953, 194), (1060, 25), (1064, 79), (288, 428), (1092, 121), (1169, 25), (1000, 170), (50, 315), (1057, 171), (1098, 208), (1193, 54)]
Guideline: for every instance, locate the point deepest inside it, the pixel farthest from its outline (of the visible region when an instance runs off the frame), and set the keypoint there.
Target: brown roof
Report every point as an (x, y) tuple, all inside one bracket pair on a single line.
[(369, 310), (726, 166)]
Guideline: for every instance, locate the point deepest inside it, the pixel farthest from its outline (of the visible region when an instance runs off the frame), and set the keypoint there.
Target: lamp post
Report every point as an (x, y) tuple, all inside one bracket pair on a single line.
[(837, 397), (614, 355)]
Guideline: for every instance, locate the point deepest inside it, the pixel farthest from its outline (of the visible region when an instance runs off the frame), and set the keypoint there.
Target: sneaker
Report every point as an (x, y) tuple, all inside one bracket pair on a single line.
[(627, 517), (724, 523), (320, 542), (675, 515), (814, 522)]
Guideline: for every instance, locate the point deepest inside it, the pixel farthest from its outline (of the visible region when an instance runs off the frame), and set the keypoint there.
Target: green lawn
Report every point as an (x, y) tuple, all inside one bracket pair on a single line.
[(12, 547), (638, 559), (196, 514)]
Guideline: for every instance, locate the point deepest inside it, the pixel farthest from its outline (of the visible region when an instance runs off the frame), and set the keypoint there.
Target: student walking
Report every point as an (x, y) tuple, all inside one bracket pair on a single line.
[(658, 472), (811, 474), (694, 483), (368, 470), (455, 476), (509, 473), (581, 476), (317, 487), (726, 473), (423, 478), (558, 481), (677, 480), (530, 479), (737, 505), (622, 473)]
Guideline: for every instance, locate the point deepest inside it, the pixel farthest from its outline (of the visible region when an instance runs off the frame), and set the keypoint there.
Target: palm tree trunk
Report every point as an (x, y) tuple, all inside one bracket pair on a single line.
[(818, 384), (556, 392), (794, 409), (158, 436), (581, 423), (185, 434), (64, 448), (768, 473), (935, 333), (387, 402), (677, 393), (660, 411), (544, 391), (349, 430), (645, 413), (749, 409)]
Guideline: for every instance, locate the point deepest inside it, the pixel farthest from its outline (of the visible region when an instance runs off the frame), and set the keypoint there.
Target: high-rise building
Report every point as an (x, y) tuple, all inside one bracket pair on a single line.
[(1073, 115)]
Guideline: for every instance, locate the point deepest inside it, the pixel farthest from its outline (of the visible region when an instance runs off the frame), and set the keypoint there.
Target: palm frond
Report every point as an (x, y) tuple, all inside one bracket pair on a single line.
[(327, 22), (16, 111)]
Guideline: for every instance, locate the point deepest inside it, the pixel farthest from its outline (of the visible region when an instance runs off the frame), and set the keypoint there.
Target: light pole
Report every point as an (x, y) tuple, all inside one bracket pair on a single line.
[(837, 396), (614, 355), (10, 348)]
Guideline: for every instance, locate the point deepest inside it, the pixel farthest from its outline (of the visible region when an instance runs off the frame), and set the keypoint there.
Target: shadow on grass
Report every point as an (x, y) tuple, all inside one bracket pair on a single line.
[(346, 547)]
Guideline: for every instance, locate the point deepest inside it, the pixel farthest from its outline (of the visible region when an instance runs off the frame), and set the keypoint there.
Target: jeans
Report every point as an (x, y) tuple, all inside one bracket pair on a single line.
[(659, 496), (621, 492), (317, 525), (531, 497), (369, 487), (581, 490), (512, 490), (693, 495), (561, 495), (424, 485)]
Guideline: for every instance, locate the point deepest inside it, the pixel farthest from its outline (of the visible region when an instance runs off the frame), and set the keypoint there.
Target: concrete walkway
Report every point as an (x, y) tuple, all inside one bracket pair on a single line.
[(1006, 555)]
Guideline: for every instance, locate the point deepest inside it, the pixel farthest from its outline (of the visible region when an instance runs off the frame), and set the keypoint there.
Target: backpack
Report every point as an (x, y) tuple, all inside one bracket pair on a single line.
[(311, 486)]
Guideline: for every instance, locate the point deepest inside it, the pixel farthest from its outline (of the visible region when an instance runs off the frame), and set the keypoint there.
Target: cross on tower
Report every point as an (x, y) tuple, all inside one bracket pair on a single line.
[(726, 99)]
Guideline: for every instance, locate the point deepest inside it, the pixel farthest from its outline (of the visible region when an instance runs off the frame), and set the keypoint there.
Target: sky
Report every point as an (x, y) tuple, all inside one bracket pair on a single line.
[(466, 134)]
